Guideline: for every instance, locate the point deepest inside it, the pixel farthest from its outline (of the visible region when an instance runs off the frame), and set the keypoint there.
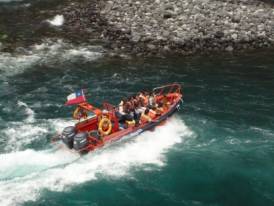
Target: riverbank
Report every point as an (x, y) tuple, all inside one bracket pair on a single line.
[(191, 26), (149, 27)]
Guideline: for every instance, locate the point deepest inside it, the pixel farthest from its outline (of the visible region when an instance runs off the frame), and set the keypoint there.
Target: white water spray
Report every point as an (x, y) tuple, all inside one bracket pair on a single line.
[(32, 171), (49, 53), (58, 20), (19, 134)]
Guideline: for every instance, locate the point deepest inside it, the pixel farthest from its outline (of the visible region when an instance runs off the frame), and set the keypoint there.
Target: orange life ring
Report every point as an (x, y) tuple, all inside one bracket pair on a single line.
[(105, 126)]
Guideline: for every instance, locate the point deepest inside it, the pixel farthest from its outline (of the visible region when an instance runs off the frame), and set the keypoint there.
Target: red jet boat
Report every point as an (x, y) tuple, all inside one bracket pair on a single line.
[(105, 126)]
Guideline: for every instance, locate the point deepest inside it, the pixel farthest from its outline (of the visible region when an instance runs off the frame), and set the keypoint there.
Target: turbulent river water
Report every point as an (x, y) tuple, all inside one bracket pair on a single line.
[(218, 150)]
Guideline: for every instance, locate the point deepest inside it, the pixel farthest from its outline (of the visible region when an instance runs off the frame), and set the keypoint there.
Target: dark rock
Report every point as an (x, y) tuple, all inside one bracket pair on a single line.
[(229, 49), (151, 46), (236, 19), (167, 15), (153, 26), (219, 34)]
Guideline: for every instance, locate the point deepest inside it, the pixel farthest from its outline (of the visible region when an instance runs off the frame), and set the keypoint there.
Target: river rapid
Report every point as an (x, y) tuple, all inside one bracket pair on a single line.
[(217, 150)]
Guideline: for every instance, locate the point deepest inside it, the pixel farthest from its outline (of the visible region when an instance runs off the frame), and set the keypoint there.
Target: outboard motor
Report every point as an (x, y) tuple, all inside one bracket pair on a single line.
[(80, 140), (67, 136)]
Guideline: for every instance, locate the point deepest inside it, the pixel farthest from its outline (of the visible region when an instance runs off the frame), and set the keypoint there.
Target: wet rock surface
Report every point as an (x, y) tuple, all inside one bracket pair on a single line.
[(190, 26), (147, 27), (24, 25)]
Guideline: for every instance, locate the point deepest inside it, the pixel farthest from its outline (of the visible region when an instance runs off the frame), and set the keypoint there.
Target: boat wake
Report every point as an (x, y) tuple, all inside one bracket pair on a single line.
[(31, 172), (18, 135)]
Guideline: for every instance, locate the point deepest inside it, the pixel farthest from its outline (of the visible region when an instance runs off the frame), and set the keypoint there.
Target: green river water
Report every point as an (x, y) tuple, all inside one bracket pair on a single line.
[(218, 150)]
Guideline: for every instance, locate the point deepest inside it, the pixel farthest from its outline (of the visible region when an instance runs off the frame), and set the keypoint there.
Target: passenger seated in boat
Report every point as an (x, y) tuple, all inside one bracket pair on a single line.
[(130, 115), (121, 111), (146, 96), (151, 101), (141, 97), (141, 100), (141, 94), (135, 101), (165, 102), (138, 112), (130, 123), (152, 113), (122, 106), (141, 106), (145, 117), (128, 109), (159, 109), (132, 105)]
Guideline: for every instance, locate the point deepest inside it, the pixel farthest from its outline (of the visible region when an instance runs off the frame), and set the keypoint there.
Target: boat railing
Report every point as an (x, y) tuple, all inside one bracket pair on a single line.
[(170, 88), (109, 107)]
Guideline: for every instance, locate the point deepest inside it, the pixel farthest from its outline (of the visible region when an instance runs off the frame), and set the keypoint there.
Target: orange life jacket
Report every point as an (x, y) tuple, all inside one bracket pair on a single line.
[(159, 110), (145, 118), (152, 114)]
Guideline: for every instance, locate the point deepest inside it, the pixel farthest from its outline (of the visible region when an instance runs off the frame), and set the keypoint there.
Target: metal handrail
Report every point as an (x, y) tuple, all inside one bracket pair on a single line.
[(171, 87)]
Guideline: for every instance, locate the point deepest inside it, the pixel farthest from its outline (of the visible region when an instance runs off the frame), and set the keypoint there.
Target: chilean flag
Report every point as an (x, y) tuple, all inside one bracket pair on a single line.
[(76, 98)]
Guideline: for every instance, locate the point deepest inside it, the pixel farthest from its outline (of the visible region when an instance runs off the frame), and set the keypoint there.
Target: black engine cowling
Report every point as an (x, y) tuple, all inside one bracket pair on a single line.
[(80, 140), (67, 136)]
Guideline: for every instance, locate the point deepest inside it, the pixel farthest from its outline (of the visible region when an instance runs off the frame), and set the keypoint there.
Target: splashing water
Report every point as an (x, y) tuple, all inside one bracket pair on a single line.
[(49, 53), (20, 134), (31, 171), (28, 111), (58, 20)]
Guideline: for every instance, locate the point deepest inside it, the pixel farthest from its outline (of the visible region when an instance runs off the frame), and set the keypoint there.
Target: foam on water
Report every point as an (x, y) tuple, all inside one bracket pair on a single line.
[(55, 170), (18, 164), (29, 111), (47, 53), (14, 64), (58, 20), (264, 132), (20, 134)]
